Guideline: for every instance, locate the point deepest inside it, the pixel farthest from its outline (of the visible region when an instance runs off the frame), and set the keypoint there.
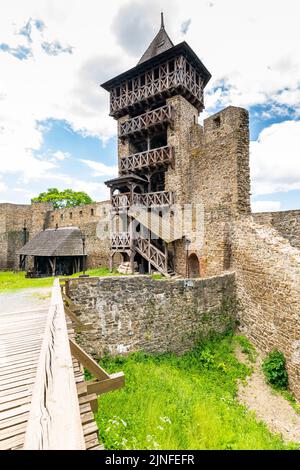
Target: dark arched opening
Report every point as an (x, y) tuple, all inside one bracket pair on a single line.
[(194, 266)]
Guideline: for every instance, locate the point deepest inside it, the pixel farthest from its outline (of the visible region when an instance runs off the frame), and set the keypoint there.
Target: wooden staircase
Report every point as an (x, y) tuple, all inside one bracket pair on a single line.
[(157, 258)]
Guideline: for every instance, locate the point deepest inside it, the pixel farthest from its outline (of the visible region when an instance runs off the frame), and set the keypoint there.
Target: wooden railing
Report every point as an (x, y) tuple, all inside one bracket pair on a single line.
[(159, 198), (54, 419), (162, 115), (170, 75), (120, 240), (121, 201), (152, 158)]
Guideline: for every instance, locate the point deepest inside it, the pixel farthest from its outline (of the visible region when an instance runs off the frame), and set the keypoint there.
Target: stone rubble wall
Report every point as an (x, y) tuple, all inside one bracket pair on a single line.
[(287, 223), (13, 218), (268, 291), (138, 313)]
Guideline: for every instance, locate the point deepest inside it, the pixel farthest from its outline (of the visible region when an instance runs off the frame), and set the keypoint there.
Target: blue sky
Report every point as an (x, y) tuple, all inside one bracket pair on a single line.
[(54, 125)]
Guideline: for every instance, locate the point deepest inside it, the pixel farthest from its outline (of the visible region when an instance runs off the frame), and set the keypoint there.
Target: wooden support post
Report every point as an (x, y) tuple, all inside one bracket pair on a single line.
[(79, 325), (111, 258)]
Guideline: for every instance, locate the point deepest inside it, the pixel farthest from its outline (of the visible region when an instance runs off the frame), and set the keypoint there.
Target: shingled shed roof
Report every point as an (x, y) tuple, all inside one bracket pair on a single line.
[(55, 242), (160, 43)]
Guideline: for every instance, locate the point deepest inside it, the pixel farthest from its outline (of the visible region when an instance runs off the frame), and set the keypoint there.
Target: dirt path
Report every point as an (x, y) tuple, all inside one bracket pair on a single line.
[(269, 406)]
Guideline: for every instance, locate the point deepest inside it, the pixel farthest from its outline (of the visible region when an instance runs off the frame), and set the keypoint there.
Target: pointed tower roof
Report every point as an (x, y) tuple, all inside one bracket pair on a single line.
[(160, 43)]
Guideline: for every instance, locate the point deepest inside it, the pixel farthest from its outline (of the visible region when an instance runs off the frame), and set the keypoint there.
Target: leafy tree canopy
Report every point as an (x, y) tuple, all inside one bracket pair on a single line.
[(65, 198)]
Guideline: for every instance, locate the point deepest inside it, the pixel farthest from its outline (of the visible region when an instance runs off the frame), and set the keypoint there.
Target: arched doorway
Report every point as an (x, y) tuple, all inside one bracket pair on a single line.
[(194, 266)]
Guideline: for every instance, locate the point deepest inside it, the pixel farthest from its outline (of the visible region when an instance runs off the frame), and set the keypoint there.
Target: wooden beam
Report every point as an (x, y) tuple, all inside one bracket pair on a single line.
[(114, 382), (87, 361), (79, 325)]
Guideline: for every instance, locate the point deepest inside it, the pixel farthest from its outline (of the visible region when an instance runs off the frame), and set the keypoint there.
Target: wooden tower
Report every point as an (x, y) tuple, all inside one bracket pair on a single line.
[(146, 102)]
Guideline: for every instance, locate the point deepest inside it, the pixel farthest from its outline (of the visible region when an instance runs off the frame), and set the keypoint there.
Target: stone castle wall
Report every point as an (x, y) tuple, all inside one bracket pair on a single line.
[(211, 169), (268, 291), (138, 313), (13, 219), (92, 219), (287, 224)]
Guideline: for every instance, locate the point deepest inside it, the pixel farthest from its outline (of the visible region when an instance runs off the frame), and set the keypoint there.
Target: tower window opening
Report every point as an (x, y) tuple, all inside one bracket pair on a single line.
[(159, 140), (139, 146), (71, 215), (171, 66), (92, 212), (80, 213), (157, 181), (217, 121)]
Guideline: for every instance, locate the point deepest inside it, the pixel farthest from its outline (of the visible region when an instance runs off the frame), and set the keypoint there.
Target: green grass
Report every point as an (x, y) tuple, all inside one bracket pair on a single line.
[(11, 281), (246, 347), (186, 402)]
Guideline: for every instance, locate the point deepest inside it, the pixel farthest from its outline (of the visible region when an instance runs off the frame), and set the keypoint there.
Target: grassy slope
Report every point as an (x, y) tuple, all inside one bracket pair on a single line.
[(186, 402), (11, 281)]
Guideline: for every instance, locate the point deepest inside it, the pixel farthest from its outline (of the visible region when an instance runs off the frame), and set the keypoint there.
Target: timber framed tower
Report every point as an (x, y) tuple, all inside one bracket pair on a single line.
[(155, 104)]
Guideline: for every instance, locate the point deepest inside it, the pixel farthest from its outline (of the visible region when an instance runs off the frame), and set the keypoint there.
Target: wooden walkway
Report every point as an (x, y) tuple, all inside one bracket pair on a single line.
[(21, 338), (44, 401)]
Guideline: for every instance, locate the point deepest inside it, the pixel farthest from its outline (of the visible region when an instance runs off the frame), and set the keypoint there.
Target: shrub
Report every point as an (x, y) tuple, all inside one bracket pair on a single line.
[(275, 370)]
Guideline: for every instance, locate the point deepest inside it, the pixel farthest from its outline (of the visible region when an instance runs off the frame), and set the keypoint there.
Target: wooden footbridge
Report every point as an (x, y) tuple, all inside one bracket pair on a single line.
[(44, 401)]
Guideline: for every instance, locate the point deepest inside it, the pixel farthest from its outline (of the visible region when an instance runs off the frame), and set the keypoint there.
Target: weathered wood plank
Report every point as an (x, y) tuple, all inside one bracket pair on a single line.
[(54, 421)]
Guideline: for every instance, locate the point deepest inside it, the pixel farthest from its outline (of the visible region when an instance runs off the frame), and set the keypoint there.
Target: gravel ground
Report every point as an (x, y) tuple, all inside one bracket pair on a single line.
[(24, 299)]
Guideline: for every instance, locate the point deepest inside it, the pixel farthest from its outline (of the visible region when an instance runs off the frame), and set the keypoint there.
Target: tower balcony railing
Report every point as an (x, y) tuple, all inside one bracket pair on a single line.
[(152, 119), (160, 156), (146, 87), (159, 198), (120, 240), (155, 199)]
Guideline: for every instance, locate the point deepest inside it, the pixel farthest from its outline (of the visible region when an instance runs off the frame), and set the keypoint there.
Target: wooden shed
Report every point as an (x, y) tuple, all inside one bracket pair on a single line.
[(55, 252)]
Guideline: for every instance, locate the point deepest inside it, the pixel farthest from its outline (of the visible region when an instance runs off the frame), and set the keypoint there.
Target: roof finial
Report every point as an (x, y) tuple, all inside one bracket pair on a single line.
[(162, 26)]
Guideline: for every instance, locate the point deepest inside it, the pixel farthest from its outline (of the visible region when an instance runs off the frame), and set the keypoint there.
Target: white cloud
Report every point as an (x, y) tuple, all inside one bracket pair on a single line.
[(250, 49), (100, 169), (275, 158), (265, 206), (98, 191), (3, 186), (59, 155)]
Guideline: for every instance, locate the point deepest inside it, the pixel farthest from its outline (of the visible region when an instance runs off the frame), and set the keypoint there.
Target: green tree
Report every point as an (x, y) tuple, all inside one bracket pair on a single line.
[(65, 198)]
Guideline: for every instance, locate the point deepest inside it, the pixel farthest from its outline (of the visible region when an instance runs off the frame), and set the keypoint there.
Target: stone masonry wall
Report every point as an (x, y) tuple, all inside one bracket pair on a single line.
[(287, 223), (221, 180), (13, 219), (138, 313), (268, 289)]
